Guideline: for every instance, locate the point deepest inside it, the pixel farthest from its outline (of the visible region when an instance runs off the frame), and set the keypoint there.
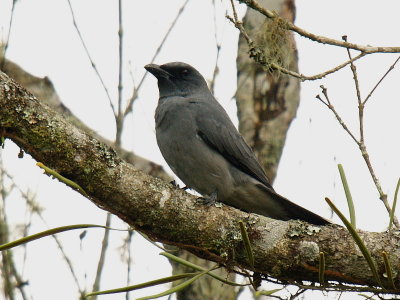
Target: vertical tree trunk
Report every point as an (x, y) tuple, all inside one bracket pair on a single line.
[(267, 101)]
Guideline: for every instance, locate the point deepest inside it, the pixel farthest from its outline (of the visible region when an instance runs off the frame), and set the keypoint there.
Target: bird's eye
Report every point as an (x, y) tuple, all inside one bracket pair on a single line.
[(185, 72)]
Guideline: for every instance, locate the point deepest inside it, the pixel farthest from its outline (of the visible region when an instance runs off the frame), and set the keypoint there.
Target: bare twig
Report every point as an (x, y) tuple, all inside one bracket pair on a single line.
[(135, 92), (119, 121), (8, 269), (65, 257), (129, 261), (100, 264), (119, 118), (20, 283), (258, 54), (218, 47), (33, 207), (90, 58), (380, 80), (358, 92), (6, 256), (5, 45), (320, 39), (332, 108), (360, 143)]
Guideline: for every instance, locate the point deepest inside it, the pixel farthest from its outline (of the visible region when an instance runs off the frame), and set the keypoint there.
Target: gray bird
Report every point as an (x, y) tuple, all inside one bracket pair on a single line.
[(204, 149)]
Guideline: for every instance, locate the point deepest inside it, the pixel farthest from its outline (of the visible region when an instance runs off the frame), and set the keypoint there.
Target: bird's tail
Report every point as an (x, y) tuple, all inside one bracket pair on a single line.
[(294, 211)]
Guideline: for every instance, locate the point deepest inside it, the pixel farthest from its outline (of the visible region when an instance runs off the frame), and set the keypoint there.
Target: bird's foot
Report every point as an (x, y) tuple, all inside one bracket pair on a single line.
[(175, 184), (209, 200)]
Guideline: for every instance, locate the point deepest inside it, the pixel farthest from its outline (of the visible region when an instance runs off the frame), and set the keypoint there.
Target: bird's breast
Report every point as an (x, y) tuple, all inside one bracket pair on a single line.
[(190, 158)]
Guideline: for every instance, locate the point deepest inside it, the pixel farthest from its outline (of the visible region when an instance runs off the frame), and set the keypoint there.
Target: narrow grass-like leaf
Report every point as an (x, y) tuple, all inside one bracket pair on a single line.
[(367, 297), (388, 269), (61, 178), (394, 205), (144, 284), (349, 198), (152, 242), (358, 240), (266, 293), (321, 273), (247, 244), (198, 268), (177, 288), (52, 231)]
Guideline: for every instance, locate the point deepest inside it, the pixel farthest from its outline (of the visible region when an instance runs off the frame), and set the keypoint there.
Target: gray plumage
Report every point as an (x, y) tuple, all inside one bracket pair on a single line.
[(204, 149)]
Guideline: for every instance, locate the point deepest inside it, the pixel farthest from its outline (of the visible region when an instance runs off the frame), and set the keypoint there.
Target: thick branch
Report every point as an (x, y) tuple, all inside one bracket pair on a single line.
[(284, 250), (43, 89)]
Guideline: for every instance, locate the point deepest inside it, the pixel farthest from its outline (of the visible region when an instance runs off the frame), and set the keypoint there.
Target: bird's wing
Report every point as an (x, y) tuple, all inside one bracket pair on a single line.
[(219, 133)]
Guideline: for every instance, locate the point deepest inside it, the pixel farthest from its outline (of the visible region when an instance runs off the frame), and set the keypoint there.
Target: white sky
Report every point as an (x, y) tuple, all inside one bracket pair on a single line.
[(44, 42)]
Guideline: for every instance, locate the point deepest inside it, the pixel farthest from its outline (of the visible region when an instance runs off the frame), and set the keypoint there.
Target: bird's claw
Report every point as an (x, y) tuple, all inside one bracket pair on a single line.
[(175, 184), (209, 200)]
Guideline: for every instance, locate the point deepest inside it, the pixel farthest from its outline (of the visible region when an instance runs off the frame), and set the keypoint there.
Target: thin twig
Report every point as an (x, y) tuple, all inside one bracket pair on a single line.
[(100, 264), (316, 76), (31, 203), (218, 47), (119, 118), (358, 92), (258, 55), (20, 283), (317, 38), (361, 142), (90, 58), (5, 46), (332, 108), (364, 153), (129, 262), (6, 256), (8, 263), (135, 92), (380, 80)]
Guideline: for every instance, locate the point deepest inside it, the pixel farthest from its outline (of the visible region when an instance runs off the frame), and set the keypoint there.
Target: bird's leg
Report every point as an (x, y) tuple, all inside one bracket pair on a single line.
[(175, 184), (209, 200)]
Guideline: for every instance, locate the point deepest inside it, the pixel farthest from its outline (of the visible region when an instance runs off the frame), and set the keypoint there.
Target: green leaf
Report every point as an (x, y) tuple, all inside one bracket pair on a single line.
[(177, 288), (144, 284), (52, 231), (150, 241), (358, 240), (266, 293), (388, 269), (321, 273), (349, 198), (246, 242), (61, 178), (394, 205), (368, 297), (199, 268)]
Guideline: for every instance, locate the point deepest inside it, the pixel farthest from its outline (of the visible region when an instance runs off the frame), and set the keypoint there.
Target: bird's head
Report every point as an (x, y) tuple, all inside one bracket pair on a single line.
[(177, 79)]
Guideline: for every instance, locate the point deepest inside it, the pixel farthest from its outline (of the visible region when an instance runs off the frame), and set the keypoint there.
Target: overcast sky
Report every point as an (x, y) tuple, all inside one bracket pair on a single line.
[(45, 43)]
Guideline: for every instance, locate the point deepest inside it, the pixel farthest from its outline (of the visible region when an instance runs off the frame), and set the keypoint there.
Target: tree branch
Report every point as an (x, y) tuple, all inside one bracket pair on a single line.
[(318, 38), (288, 251), (43, 89)]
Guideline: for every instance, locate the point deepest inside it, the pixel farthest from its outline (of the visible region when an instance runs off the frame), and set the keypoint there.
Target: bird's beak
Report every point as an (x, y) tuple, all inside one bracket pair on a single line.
[(157, 71)]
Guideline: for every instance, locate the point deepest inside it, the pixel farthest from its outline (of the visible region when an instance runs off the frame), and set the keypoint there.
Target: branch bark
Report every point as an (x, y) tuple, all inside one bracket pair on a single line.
[(288, 251), (267, 102), (44, 90)]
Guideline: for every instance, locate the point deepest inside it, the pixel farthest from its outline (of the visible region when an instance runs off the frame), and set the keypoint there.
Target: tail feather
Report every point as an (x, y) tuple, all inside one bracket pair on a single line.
[(294, 211)]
